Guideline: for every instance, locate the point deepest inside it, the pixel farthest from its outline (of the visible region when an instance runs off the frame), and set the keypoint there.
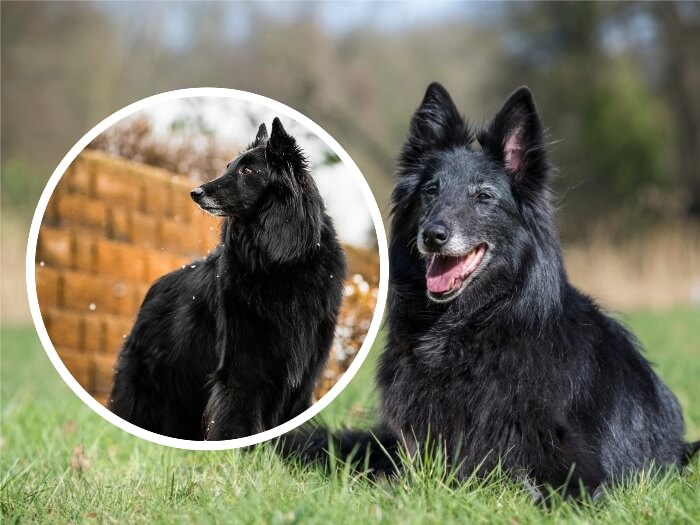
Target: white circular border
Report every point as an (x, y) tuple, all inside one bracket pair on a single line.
[(184, 443)]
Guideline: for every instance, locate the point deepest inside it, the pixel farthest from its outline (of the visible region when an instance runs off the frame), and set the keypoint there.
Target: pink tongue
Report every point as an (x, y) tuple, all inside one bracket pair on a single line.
[(444, 273)]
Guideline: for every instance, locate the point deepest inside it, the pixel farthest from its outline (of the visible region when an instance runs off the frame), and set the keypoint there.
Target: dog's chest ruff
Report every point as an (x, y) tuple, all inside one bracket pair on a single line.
[(481, 398)]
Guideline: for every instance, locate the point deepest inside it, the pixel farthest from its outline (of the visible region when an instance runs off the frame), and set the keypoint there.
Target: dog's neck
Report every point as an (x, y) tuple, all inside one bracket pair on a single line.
[(298, 233)]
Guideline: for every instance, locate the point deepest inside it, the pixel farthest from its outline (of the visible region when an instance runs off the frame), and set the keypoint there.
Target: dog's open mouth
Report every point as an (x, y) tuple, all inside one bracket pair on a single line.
[(446, 275)]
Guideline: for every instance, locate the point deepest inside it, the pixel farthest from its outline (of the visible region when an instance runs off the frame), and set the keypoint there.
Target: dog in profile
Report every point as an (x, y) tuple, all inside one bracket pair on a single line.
[(491, 352), (233, 344)]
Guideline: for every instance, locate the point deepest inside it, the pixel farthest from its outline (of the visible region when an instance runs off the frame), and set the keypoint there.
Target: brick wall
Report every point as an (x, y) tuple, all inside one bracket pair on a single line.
[(111, 228)]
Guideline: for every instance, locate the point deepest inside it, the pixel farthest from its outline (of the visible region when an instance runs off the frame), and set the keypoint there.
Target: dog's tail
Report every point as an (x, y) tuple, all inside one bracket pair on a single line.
[(690, 450), (373, 451)]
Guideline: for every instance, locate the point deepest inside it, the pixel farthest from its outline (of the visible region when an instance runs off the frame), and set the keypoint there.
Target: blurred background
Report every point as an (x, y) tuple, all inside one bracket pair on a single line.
[(617, 85), (196, 137)]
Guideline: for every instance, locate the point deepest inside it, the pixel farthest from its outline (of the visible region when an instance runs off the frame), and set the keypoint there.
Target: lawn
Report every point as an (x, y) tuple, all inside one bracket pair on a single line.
[(63, 463)]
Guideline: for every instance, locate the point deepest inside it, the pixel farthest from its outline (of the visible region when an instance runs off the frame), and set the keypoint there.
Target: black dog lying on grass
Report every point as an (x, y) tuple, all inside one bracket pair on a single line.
[(491, 352), (233, 344)]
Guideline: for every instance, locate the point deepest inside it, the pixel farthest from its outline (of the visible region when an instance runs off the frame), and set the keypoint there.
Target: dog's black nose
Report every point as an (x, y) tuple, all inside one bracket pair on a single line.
[(196, 194), (435, 234)]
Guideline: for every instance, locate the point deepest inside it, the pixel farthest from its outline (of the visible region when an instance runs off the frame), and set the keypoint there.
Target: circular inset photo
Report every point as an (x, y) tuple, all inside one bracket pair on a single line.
[(207, 268)]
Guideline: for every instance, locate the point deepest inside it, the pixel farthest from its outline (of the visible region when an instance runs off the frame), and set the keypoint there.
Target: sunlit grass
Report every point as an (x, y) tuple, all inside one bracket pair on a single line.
[(115, 477)]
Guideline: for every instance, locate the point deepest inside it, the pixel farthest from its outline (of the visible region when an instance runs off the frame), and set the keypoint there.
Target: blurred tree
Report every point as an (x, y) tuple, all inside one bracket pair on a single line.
[(679, 37), (623, 100), (625, 132), (585, 64), (190, 149)]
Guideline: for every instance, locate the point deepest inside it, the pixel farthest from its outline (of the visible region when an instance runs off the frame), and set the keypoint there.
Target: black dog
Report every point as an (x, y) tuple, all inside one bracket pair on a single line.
[(233, 344), (491, 352)]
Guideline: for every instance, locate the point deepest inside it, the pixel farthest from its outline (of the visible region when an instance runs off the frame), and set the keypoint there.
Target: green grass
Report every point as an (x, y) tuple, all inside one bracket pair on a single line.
[(133, 481)]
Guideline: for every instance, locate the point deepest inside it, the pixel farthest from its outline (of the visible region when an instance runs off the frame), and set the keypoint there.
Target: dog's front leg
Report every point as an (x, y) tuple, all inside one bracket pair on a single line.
[(233, 411), (234, 408)]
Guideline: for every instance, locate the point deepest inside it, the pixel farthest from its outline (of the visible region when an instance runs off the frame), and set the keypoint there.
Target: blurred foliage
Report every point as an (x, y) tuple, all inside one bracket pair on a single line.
[(607, 77), (625, 132), (616, 83), (359, 302), (193, 152), (21, 186)]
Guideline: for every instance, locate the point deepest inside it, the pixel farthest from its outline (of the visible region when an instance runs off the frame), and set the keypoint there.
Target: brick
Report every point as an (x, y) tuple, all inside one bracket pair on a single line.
[(65, 329), (82, 290), (181, 204), (213, 236), (119, 298), (139, 294), (63, 186), (206, 242), (84, 252), (78, 210), (121, 260), (197, 215), (206, 230), (195, 244), (55, 247), (119, 223), (48, 287), (104, 374), (95, 295), (93, 333), (119, 188), (51, 213), (177, 237), (115, 328), (157, 198), (79, 365), (158, 264), (144, 230), (81, 178)]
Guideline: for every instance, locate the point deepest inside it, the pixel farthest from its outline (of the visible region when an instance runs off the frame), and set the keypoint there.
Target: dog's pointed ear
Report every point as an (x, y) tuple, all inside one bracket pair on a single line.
[(515, 137), (437, 120), (261, 137), (435, 115), (283, 151), (436, 124), (279, 143)]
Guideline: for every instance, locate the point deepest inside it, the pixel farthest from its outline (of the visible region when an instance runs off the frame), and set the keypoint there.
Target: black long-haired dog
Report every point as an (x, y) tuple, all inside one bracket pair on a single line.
[(233, 344), (491, 352)]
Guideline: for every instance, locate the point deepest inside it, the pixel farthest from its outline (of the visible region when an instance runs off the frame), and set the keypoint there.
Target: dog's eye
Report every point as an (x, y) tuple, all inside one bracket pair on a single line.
[(431, 190), (245, 170), (484, 197)]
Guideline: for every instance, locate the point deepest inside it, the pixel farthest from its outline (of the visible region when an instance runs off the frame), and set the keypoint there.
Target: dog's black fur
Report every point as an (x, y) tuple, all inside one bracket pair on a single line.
[(233, 344), (509, 362)]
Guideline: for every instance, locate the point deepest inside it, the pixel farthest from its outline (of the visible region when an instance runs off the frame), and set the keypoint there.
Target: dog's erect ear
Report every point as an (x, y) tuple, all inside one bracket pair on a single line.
[(261, 137), (280, 143), (515, 137), (283, 151), (436, 124)]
